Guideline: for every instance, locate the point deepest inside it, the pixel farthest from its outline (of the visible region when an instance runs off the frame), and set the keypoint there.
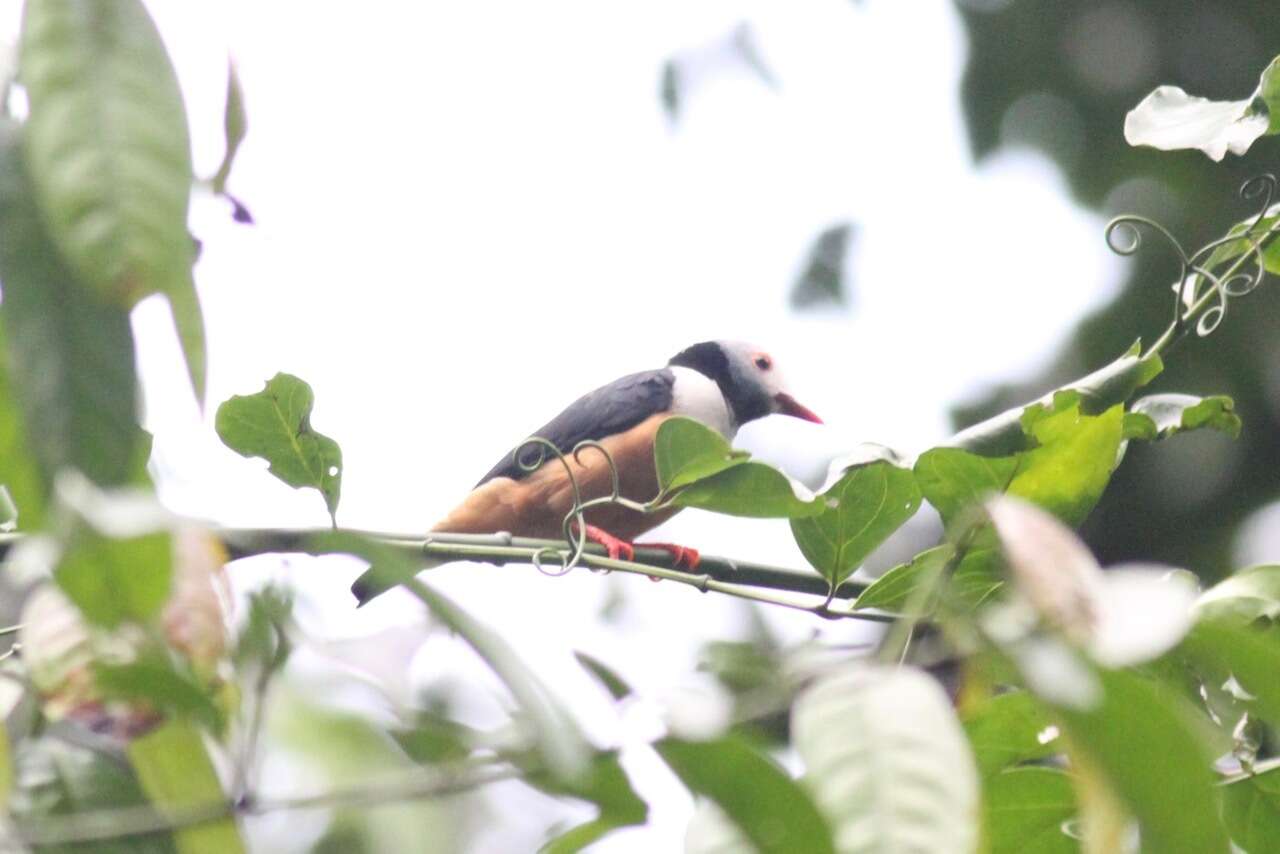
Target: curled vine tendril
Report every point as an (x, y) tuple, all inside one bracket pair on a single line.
[(1201, 275), (531, 455)]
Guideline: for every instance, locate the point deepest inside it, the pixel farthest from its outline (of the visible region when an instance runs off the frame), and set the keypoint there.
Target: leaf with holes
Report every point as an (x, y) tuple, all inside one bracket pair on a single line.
[(872, 501), (275, 424), (1159, 416), (887, 761)]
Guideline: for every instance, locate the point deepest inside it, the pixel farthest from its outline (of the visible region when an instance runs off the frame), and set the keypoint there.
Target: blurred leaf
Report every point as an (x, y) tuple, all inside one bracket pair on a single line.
[(114, 580), (107, 143), (560, 742), (56, 778), (1143, 739), (275, 424), (1024, 811), (670, 90), (893, 590), (686, 450), (740, 666), (1170, 119), (71, 356), (770, 808), (1250, 231), (953, 479), (264, 640), (235, 123), (6, 766), (1159, 416), (605, 675), (188, 323), (887, 760), (20, 474), (175, 770), (1250, 593), (874, 500), (1251, 809), (432, 739), (1249, 653), (158, 681), (711, 832), (823, 280), (1008, 729), (607, 786)]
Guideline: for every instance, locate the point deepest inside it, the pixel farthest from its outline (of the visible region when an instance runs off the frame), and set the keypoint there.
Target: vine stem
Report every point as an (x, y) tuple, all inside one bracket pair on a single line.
[(1176, 330)]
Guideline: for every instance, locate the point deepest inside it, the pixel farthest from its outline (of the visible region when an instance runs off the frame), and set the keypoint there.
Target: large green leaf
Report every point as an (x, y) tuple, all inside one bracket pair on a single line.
[(113, 580), (164, 685), (686, 450), (1251, 809), (749, 489), (887, 761), (604, 784), (71, 355), (1159, 416), (772, 810), (110, 156), (873, 501), (894, 590), (1143, 739), (1250, 654), (275, 424), (1010, 728), (108, 145), (175, 770), (953, 479), (1025, 810), (1067, 473)]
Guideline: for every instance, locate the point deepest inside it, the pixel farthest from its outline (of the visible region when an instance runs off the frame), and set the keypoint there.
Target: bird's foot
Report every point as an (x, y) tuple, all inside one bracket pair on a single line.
[(682, 557), (615, 548)]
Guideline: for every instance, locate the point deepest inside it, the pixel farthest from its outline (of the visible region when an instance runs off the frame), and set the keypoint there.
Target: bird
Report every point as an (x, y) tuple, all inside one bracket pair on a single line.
[(722, 384)]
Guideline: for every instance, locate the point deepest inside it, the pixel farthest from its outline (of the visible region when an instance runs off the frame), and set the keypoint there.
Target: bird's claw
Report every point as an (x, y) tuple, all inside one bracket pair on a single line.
[(682, 557), (615, 548)]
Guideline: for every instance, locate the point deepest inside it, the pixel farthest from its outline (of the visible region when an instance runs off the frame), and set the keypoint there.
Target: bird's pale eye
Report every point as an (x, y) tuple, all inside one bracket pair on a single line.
[(763, 362)]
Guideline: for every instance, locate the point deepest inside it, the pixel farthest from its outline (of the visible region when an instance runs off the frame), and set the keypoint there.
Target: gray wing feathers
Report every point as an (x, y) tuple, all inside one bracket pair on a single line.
[(610, 409)]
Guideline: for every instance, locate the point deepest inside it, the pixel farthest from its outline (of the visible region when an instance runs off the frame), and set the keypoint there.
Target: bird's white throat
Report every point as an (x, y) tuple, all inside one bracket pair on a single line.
[(697, 396)]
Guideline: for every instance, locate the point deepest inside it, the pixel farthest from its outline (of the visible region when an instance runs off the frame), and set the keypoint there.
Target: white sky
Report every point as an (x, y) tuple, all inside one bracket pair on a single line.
[(470, 213)]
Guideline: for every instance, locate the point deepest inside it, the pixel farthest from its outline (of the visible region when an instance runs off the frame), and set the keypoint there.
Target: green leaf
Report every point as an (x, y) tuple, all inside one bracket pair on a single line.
[(1004, 434), (108, 147), (188, 323), (175, 770), (1169, 119), (275, 424), (1159, 416), (1010, 728), (1146, 742), (1249, 653), (1251, 593), (772, 810), (605, 675), (71, 357), (20, 475), (887, 760), (1025, 809), (953, 479), (893, 590), (686, 450), (235, 124), (822, 283), (749, 489), (433, 739), (873, 501), (1251, 809), (58, 779), (160, 682), (1067, 473), (560, 742), (607, 786), (1250, 231), (115, 580)]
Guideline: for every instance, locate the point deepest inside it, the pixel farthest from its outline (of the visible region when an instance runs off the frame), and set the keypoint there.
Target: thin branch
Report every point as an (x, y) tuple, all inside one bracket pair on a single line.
[(122, 823)]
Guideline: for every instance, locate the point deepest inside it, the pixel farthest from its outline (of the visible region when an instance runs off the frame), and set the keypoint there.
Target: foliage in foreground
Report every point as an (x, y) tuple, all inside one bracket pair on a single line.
[(1087, 703)]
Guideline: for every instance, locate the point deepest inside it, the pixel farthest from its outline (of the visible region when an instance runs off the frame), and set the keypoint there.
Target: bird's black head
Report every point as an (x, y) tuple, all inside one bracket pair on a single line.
[(747, 378)]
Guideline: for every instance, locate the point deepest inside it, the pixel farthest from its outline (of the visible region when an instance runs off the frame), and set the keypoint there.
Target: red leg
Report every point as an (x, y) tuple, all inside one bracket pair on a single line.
[(616, 549), (681, 556)]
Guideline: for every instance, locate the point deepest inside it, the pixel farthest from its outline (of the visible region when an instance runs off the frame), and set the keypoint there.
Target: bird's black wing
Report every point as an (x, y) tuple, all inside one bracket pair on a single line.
[(610, 409)]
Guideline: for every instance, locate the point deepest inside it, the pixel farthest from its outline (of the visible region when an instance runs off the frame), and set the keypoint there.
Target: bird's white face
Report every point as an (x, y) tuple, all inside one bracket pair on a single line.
[(755, 369)]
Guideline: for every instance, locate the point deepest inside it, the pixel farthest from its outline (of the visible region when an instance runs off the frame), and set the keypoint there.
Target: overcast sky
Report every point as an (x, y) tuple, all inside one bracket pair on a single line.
[(470, 213)]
